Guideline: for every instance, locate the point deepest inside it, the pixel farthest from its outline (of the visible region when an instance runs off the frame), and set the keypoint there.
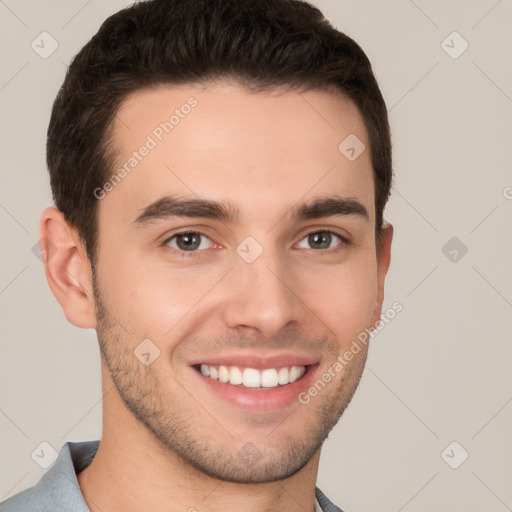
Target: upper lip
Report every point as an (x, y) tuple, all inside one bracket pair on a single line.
[(257, 361)]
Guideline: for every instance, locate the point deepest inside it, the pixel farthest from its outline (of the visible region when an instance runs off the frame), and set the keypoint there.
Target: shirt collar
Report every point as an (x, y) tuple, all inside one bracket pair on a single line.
[(59, 488)]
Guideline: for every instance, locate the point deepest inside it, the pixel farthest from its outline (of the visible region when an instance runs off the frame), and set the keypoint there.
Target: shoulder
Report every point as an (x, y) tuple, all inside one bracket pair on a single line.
[(326, 504), (58, 489), (29, 499)]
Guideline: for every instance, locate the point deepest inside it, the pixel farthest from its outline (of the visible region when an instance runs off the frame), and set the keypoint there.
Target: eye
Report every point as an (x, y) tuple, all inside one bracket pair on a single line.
[(189, 241), (320, 240)]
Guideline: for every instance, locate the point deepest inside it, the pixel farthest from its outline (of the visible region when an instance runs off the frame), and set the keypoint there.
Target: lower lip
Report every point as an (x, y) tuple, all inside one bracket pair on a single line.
[(260, 399)]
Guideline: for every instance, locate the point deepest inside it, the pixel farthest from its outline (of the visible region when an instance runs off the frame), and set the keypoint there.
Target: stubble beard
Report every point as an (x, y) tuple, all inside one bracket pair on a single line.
[(280, 456)]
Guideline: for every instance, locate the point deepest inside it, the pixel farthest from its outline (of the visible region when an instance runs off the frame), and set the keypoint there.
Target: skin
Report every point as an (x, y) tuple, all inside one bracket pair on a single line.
[(167, 444)]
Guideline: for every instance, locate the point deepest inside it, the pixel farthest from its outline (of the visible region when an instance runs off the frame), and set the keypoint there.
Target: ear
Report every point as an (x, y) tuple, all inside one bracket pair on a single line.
[(383, 260), (67, 267)]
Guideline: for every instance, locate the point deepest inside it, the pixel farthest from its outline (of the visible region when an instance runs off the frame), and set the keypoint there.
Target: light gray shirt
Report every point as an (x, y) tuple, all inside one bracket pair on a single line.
[(58, 489)]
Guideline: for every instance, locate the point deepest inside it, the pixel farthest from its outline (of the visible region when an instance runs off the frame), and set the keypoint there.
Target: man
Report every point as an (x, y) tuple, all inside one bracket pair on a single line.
[(220, 170)]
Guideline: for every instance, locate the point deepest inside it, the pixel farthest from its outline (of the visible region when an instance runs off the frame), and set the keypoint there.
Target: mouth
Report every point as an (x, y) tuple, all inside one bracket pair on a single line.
[(257, 386), (252, 378)]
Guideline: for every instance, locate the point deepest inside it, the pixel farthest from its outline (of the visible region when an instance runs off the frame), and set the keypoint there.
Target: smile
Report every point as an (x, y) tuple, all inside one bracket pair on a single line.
[(251, 377)]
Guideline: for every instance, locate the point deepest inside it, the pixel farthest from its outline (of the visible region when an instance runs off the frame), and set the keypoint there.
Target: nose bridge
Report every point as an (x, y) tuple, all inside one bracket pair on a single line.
[(261, 294)]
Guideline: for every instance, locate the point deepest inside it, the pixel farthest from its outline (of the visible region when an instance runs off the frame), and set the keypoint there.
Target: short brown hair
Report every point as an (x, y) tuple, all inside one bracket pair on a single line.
[(261, 44)]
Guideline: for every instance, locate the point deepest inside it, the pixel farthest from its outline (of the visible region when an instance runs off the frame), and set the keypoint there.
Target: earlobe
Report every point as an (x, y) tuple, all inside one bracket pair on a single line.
[(67, 268), (383, 261)]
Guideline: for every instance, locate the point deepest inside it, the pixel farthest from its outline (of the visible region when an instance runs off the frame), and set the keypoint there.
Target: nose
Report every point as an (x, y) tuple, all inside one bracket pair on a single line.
[(263, 296)]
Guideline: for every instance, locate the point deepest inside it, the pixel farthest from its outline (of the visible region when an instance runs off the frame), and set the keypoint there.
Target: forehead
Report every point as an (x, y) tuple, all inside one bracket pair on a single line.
[(260, 151)]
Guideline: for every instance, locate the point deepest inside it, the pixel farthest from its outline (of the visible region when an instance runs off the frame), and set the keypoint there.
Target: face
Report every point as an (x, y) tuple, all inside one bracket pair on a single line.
[(236, 262)]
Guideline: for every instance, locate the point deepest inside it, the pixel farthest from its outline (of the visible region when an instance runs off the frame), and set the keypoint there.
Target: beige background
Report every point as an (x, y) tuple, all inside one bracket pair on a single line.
[(439, 372)]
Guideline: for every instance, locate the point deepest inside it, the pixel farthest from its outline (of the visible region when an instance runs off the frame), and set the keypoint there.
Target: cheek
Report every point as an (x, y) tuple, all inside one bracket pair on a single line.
[(345, 300), (156, 301)]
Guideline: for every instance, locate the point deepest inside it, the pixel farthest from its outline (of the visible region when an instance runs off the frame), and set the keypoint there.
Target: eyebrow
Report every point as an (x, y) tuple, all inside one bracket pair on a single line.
[(330, 206), (171, 206)]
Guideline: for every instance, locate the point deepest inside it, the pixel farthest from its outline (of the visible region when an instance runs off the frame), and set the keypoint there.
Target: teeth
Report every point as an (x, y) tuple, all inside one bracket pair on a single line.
[(269, 378), (294, 373), (235, 375), (283, 377), (252, 378), (223, 374)]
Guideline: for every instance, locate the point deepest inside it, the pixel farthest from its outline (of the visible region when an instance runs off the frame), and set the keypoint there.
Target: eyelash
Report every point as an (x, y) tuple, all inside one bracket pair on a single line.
[(187, 254)]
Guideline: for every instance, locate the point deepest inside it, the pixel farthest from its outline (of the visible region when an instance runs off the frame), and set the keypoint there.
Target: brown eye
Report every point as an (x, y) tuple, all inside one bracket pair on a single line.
[(320, 240), (191, 241)]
